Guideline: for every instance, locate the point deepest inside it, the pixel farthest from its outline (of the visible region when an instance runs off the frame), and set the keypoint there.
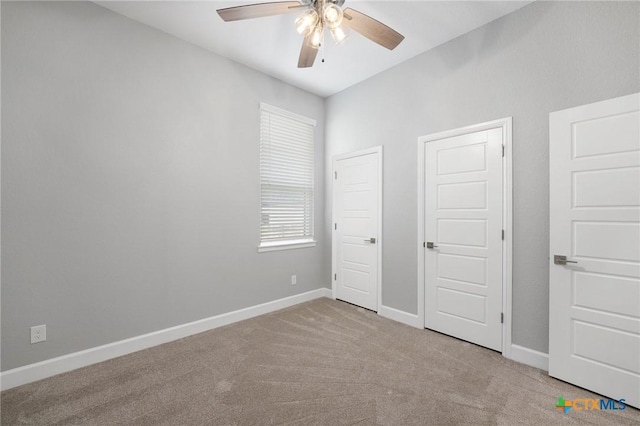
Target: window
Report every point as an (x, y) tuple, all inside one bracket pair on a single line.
[(286, 179)]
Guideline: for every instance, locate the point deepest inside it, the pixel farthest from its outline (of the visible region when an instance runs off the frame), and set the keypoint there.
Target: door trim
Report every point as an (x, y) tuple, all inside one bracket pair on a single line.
[(380, 239), (507, 218)]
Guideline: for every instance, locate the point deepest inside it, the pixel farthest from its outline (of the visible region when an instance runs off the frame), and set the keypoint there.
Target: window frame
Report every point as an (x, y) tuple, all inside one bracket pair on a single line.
[(293, 243)]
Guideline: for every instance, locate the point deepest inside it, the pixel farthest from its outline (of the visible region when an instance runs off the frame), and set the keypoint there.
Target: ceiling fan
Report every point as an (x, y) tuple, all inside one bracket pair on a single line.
[(318, 15)]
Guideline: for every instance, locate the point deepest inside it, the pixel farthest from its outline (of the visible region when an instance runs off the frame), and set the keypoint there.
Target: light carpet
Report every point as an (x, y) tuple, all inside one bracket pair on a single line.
[(321, 362)]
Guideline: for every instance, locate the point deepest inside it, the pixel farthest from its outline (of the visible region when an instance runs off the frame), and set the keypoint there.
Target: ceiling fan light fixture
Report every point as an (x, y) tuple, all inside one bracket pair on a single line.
[(339, 34), (332, 15), (306, 22), (316, 36)]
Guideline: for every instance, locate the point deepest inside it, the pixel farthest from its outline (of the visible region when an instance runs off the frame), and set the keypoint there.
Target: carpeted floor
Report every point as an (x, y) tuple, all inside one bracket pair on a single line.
[(321, 362)]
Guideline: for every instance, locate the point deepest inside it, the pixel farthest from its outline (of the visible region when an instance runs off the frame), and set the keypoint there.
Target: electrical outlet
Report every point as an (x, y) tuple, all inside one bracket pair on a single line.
[(294, 280), (38, 333)]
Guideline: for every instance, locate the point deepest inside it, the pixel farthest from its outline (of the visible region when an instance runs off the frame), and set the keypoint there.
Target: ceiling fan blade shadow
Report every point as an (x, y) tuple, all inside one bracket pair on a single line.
[(307, 54), (372, 29), (250, 11)]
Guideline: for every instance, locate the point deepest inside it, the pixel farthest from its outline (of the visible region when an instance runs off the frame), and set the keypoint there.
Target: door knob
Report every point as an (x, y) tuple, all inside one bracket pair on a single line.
[(560, 259), (431, 245), (371, 240)]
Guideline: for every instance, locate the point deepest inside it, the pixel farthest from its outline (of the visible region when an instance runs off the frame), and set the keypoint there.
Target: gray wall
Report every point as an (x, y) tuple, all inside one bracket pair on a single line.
[(542, 58), (130, 182)]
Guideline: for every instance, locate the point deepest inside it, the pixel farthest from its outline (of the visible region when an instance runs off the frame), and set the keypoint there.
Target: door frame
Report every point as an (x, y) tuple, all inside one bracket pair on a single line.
[(379, 240), (507, 218)]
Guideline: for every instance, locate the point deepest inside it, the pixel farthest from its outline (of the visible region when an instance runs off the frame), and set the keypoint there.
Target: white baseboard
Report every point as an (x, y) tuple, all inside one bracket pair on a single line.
[(530, 357), (51, 367), (400, 316)]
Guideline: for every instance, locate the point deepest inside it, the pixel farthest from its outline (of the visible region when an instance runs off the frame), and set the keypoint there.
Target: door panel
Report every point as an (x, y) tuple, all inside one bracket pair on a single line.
[(465, 305), (606, 293), (607, 188), (463, 218), (356, 217), (470, 158), (607, 346), (589, 134), (607, 240), (594, 304), (467, 269), (463, 232), (463, 195)]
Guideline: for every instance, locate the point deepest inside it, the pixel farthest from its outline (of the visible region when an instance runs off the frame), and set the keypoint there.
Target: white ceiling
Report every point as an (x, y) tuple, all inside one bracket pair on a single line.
[(272, 45)]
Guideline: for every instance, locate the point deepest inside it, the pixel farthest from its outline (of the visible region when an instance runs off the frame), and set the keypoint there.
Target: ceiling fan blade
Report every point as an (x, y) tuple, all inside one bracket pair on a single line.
[(307, 54), (374, 30), (250, 11)]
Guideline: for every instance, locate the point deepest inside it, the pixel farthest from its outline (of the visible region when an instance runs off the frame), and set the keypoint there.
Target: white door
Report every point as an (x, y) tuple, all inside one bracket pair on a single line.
[(463, 221), (594, 309), (356, 239)]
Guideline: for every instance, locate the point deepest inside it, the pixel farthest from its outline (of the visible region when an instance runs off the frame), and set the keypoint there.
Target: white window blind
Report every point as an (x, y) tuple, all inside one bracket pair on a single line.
[(286, 177)]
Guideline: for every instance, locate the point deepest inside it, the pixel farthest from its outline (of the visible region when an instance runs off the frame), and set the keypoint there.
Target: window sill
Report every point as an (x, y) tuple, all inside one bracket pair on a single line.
[(285, 245)]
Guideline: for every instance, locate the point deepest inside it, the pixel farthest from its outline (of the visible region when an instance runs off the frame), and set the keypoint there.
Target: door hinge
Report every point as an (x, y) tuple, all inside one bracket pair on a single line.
[(501, 318), (335, 174), (503, 235), (503, 150), (335, 226), (335, 276)]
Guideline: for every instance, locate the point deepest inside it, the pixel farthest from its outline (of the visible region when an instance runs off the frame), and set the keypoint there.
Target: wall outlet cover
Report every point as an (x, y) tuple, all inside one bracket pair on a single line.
[(38, 333)]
